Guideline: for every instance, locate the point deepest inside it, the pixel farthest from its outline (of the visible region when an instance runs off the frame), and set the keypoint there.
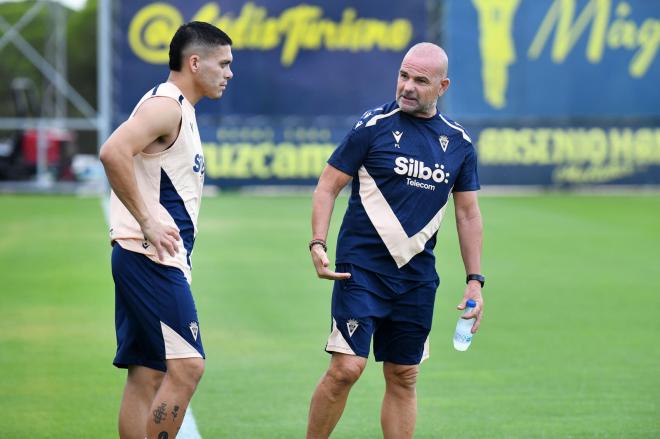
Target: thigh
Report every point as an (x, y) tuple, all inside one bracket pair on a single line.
[(356, 313), (402, 337), (155, 313)]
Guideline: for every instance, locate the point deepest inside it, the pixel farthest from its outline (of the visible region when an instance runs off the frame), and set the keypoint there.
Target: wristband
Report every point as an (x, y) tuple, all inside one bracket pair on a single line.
[(477, 277), (320, 242)]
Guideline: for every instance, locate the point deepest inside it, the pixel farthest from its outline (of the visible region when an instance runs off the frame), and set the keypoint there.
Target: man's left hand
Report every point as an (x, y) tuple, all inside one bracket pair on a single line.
[(473, 291)]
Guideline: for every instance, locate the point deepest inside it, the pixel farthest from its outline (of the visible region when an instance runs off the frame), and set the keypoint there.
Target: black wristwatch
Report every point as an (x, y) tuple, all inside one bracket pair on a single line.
[(477, 277)]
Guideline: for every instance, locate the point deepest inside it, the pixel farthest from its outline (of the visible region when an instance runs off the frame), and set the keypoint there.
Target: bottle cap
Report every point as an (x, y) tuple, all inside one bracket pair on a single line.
[(470, 304)]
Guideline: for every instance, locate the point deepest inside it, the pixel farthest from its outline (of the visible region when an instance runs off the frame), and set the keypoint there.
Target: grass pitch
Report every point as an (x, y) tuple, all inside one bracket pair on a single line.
[(568, 348)]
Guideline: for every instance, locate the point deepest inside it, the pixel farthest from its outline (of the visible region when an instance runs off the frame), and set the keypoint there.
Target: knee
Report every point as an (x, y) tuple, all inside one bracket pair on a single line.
[(186, 371), (404, 377), (196, 369), (145, 378), (155, 381), (344, 375)]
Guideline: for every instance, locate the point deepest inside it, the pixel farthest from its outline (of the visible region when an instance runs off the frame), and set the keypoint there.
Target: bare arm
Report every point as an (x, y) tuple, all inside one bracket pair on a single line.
[(470, 237), (331, 182), (156, 119)]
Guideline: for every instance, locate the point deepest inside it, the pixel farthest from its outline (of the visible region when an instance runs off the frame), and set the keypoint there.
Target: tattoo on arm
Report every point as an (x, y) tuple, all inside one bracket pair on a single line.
[(175, 413), (163, 435), (160, 414)]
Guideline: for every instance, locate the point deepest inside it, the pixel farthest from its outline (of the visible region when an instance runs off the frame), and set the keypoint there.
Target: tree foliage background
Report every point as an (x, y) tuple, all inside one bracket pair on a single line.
[(80, 64), (81, 53)]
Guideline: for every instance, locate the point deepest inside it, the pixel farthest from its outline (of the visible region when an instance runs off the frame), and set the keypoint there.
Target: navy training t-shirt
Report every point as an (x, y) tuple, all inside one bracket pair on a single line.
[(404, 169)]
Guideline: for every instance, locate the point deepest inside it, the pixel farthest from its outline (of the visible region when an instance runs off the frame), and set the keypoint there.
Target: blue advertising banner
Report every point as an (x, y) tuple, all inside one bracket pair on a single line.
[(512, 153), (553, 58), (291, 57), (554, 154), (557, 92), (553, 92), (270, 152)]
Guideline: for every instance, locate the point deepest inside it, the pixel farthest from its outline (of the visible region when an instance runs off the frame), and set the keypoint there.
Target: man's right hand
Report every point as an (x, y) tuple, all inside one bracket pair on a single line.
[(164, 238), (321, 262)]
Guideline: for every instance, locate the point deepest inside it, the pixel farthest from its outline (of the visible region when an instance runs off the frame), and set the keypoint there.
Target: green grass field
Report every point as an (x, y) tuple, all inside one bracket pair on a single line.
[(569, 348)]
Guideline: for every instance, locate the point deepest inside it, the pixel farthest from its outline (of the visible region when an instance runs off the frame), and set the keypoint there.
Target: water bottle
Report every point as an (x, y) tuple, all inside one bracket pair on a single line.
[(463, 336)]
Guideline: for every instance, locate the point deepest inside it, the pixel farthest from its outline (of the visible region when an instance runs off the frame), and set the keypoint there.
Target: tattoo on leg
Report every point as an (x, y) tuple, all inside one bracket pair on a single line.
[(160, 414), (175, 412), (163, 435)]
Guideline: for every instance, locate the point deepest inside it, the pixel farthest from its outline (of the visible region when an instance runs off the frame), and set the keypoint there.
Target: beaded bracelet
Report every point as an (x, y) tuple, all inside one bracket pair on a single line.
[(320, 242)]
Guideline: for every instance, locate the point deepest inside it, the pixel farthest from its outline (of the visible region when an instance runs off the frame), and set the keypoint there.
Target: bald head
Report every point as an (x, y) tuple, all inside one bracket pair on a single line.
[(431, 55), (422, 79)]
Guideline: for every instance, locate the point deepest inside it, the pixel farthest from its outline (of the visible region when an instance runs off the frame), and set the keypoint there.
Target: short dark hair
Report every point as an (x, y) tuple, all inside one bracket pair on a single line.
[(195, 33)]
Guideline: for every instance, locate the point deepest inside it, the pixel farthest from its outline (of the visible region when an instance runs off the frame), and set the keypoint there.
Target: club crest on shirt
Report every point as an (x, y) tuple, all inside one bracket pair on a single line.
[(444, 142), (194, 329), (352, 325)]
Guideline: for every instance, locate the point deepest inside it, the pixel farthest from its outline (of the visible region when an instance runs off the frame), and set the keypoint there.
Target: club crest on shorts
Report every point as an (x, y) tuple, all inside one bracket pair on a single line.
[(194, 329), (352, 325), (444, 141)]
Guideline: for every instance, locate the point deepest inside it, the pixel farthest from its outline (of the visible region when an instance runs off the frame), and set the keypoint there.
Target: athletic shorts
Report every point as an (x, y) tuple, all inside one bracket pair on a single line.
[(155, 314), (397, 313)]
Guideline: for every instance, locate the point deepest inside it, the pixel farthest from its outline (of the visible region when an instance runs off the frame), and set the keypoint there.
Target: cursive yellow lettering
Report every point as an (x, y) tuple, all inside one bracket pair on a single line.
[(649, 41), (568, 32), (300, 27)]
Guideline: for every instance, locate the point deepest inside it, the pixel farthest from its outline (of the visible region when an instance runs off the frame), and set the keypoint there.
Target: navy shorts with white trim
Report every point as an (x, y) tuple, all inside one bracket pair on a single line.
[(155, 314), (397, 313)]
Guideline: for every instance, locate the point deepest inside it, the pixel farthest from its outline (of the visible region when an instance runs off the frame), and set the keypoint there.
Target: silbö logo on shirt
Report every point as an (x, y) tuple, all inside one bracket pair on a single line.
[(200, 165), (417, 169)]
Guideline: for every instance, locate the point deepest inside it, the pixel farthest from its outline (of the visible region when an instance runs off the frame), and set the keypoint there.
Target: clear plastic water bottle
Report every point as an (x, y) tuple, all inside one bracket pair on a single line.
[(463, 334)]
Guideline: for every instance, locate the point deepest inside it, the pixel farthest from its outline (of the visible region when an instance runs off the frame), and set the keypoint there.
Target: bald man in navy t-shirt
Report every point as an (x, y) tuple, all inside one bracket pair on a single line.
[(405, 160)]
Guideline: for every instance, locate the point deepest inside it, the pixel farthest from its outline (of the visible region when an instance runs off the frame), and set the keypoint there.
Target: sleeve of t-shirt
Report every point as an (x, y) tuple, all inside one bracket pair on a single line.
[(468, 178), (351, 152)]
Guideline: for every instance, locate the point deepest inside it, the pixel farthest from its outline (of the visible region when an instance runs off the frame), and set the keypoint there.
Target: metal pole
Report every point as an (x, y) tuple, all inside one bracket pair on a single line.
[(104, 85), (42, 176), (60, 15), (70, 123), (104, 69), (48, 91)]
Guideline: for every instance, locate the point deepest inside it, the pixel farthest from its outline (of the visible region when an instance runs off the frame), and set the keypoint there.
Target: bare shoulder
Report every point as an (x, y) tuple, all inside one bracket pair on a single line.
[(158, 115), (153, 127)]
